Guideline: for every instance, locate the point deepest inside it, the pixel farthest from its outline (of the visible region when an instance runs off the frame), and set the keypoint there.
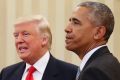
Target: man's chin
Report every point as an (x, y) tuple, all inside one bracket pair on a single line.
[(68, 48), (23, 55)]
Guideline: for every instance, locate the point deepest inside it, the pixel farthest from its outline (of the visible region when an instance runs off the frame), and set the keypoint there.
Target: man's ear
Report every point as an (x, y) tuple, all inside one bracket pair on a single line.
[(100, 32), (44, 39)]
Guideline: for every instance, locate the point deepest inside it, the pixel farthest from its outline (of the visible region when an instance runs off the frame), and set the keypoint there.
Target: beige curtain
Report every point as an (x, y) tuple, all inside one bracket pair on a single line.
[(57, 12)]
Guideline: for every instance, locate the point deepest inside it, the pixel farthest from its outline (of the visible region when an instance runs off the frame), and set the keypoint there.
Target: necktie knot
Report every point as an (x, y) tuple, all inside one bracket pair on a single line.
[(31, 70)]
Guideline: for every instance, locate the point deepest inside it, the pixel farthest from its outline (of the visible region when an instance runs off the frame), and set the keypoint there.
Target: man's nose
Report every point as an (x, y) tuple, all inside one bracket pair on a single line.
[(68, 28), (19, 39)]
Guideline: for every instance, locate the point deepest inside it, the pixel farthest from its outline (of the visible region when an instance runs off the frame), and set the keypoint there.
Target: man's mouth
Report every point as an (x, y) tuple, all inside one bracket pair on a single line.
[(22, 49), (68, 39)]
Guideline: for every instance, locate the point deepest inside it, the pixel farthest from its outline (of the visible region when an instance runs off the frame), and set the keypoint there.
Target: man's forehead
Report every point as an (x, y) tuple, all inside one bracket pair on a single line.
[(81, 9), (34, 22)]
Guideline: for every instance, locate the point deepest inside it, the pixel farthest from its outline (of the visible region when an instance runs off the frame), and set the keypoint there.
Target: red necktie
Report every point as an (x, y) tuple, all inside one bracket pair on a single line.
[(30, 73)]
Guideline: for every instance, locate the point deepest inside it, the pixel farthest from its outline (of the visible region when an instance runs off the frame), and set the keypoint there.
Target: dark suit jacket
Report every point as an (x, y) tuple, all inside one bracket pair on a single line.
[(55, 70), (102, 65)]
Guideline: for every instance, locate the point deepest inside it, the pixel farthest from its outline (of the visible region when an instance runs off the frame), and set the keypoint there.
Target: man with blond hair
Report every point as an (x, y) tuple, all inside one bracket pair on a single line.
[(33, 41)]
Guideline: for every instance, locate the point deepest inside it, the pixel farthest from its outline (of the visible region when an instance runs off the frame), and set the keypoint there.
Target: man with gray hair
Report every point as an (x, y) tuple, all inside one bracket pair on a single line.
[(88, 30), (33, 41)]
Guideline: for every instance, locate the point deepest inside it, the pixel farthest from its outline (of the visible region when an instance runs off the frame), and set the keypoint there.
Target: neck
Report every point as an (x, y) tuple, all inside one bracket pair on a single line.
[(33, 59), (82, 52)]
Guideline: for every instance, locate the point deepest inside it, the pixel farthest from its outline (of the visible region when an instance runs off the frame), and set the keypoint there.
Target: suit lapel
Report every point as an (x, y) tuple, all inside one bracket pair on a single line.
[(19, 72), (102, 51), (51, 71)]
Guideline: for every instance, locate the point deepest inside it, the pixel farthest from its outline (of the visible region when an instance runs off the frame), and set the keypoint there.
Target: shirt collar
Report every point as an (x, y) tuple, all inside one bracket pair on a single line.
[(87, 56), (41, 64)]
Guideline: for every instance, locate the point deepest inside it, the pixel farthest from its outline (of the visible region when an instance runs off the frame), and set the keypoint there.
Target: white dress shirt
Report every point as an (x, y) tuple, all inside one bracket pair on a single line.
[(40, 66), (87, 56)]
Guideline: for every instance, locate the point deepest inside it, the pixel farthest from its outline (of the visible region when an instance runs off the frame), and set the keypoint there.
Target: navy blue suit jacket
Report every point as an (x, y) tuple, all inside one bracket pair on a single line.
[(55, 70)]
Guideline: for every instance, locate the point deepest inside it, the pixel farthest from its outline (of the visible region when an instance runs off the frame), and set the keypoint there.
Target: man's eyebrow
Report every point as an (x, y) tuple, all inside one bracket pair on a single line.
[(14, 33), (75, 19)]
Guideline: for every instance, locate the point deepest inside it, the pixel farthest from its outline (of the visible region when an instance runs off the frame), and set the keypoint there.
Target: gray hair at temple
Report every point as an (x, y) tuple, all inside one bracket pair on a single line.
[(100, 15), (42, 23)]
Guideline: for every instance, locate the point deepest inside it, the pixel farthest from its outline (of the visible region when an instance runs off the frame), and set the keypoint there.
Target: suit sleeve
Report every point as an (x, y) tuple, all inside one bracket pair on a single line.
[(1, 75), (94, 74)]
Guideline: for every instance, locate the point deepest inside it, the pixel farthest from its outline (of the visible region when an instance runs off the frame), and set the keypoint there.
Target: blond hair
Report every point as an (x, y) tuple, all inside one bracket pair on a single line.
[(42, 23)]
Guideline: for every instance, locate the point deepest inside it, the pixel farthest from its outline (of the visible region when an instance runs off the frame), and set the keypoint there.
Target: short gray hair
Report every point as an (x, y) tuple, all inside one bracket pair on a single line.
[(100, 15)]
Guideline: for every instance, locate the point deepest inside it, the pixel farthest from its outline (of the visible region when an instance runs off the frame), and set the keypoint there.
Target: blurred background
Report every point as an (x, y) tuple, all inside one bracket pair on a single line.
[(57, 12)]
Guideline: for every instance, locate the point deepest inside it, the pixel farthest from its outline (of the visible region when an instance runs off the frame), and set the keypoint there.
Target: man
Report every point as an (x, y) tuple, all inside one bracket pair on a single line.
[(87, 33), (33, 42)]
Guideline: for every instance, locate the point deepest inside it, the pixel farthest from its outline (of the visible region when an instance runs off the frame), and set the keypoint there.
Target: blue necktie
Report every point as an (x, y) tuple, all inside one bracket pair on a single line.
[(78, 74)]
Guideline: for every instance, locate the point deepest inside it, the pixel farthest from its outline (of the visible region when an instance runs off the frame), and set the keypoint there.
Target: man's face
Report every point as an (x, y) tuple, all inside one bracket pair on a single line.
[(79, 31), (28, 40)]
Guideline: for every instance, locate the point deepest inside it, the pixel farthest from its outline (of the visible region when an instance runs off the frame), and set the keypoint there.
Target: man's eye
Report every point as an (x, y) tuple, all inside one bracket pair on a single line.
[(15, 35), (76, 22), (26, 34)]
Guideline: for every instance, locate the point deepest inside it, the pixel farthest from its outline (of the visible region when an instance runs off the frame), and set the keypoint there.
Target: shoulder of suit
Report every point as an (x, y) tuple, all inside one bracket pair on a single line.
[(105, 62), (14, 66), (67, 65)]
